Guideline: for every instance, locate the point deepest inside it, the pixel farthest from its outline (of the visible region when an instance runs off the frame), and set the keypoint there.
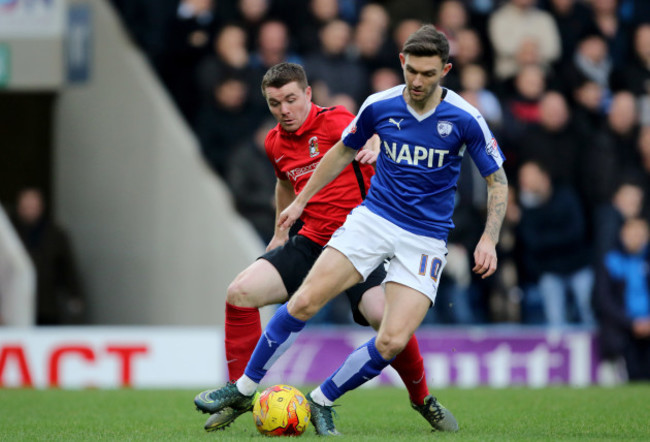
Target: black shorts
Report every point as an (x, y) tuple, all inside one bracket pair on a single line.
[(294, 260)]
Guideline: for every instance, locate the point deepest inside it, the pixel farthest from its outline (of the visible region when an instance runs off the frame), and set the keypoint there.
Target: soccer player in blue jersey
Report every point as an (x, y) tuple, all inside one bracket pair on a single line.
[(425, 130)]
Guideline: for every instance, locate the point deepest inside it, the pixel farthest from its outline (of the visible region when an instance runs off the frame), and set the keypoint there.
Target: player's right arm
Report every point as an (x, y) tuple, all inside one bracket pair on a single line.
[(332, 164), (284, 196)]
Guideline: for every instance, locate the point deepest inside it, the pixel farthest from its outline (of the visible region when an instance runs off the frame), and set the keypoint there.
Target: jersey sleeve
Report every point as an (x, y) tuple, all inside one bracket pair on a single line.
[(360, 129), (483, 146), (337, 122)]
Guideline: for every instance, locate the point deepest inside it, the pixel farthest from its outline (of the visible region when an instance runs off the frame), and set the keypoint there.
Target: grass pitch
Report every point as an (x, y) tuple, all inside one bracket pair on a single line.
[(551, 414)]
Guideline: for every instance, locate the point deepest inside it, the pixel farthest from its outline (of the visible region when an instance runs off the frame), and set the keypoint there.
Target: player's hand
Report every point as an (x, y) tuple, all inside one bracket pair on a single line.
[(290, 215), (485, 257), (366, 156), (278, 240)]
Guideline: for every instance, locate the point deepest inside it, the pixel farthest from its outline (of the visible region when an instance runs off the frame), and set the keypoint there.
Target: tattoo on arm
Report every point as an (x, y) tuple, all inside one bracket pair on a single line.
[(497, 185)]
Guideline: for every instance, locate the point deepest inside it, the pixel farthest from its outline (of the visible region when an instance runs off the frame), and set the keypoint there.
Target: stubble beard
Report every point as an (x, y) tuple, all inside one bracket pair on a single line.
[(422, 100)]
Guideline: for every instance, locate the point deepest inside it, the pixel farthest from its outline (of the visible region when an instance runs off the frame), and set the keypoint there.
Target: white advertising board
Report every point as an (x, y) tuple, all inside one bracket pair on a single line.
[(111, 357)]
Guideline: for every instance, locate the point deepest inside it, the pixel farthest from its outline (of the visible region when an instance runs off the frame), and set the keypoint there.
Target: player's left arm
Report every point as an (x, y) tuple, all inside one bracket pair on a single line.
[(485, 255)]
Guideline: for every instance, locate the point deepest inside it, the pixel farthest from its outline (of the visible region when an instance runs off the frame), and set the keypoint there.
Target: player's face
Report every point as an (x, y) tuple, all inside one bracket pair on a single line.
[(422, 76), (289, 104)]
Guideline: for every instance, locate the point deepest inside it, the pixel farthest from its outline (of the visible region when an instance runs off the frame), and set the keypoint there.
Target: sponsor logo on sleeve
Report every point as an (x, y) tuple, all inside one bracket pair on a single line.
[(492, 149)]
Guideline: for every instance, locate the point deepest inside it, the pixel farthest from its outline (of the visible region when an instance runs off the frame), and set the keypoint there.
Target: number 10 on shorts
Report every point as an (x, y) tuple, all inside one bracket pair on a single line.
[(436, 265)]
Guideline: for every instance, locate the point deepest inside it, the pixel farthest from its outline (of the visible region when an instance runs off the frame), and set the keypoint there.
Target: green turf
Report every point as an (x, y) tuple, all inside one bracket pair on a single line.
[(621, 413)]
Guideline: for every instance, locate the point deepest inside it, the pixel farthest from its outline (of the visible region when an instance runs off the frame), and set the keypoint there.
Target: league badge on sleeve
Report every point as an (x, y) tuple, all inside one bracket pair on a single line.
[(444, 128), (492, 149)]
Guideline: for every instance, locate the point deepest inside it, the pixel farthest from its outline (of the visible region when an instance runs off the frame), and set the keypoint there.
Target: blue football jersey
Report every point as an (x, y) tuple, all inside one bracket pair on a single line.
[(420, 156)]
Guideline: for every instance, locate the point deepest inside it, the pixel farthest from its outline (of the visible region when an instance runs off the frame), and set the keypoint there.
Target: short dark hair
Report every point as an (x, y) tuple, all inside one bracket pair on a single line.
[(427, 41), (284, 73)]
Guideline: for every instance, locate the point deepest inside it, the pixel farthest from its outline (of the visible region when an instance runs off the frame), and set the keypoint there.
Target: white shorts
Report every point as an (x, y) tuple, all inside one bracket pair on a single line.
[(415, 261)]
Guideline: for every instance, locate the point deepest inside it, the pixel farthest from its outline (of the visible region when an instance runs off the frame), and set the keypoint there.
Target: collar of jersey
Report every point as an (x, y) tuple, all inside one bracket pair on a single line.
[(423, 117)]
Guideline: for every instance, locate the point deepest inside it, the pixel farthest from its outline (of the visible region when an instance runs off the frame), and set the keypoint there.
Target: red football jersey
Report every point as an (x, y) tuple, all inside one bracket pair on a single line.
[(295, 155)]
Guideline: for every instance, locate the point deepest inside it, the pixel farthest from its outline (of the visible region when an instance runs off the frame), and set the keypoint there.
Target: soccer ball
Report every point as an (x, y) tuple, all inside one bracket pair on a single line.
[(281, 410)]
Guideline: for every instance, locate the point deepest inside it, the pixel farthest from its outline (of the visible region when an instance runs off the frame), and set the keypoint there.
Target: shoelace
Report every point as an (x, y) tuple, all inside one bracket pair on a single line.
[(436, 409), (220, 392)]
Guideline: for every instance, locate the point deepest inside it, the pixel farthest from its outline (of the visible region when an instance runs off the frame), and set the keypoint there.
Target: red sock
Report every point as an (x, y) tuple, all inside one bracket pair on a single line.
[(410, 368), (243, 330)]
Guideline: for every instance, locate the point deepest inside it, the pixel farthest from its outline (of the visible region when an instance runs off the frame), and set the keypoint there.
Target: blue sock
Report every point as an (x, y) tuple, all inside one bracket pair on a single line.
[(279, 334), (363, 364)]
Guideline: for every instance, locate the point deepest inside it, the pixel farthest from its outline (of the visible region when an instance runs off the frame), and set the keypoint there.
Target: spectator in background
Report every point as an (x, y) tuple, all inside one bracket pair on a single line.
[(626, 203), (375, 15), (520, 109), (318, 14), (372, 45), (526, 91), (622, 300), (332, 69), (187, 43), (592, 61), (588, 108), (612, 152), (469, 50), (552, 231), (273, 46), (517, 25), (573, 18), (473, 82), (616, 32), (250, 15), (553, 140), (251, 179), (634, 75), (451, 18), (229, 59), (59, 297), (383, 79), (225, 122)]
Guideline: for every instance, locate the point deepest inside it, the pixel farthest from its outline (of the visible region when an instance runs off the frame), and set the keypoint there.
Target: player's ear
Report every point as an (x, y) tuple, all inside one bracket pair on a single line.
[(446, 69), (308, 93), (402, 59)]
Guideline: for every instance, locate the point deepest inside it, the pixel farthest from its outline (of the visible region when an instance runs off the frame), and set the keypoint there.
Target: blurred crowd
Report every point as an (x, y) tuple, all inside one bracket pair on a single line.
[(564, 85)]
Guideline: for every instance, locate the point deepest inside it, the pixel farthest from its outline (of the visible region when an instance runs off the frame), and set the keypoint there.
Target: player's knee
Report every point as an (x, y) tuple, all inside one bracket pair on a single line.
[(302, 307), (389, 345), (238, 296)]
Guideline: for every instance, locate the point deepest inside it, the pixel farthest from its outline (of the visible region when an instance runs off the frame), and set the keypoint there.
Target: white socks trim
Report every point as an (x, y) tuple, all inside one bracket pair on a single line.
[(246, 385), (318, 397)]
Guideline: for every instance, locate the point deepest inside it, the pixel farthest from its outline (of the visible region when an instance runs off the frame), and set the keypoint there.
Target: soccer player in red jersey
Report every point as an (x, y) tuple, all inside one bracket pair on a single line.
[(305, 132)]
